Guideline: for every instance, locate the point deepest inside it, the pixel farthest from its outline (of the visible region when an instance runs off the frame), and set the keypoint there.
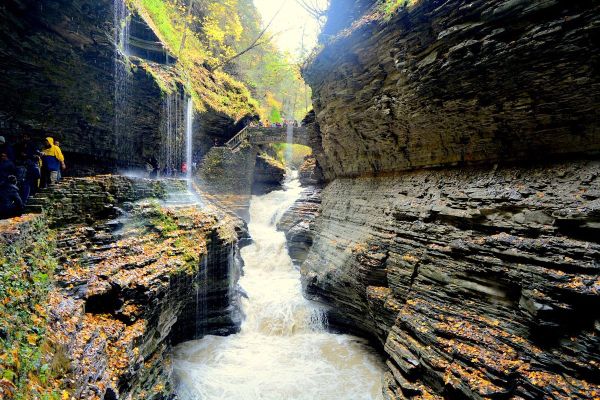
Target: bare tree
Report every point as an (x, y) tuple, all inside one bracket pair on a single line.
[(260, 40), (316, 8)]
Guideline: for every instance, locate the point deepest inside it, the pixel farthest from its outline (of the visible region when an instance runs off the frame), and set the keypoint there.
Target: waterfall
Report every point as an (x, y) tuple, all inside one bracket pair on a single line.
[(202, 286), (189, 132), (290, 141), (173, 131), (122, 83), (283, 350)]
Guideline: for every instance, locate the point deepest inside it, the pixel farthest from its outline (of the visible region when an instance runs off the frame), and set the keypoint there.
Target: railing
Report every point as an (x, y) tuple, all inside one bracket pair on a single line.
[(262, 135), (237, 140)]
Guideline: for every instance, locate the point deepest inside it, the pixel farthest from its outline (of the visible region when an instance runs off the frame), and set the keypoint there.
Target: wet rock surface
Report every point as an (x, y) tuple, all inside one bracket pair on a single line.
[(310, 173), (478, 283), (298, 223), (268, 174)]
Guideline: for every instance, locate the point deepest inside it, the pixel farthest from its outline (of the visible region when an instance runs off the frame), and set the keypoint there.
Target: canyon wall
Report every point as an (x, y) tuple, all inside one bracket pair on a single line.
[(448, 82), (100, 298), (459, 224), (59, 75)]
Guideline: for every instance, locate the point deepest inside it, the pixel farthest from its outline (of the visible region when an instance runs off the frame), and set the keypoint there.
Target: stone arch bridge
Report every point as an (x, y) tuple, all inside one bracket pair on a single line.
[(265, 135)]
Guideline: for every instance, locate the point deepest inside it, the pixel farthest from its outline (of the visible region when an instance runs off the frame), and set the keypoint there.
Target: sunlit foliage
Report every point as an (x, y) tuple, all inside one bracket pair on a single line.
[(212, 34)]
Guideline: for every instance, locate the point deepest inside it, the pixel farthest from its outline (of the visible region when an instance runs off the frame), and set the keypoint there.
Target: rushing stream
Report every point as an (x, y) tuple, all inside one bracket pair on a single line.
[(283, 351)]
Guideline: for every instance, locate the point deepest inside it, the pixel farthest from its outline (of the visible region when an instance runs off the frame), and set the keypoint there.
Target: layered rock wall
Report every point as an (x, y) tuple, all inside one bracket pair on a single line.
[(447, 82), (477, 282), (130, 278), (459, 224), (268, 174)]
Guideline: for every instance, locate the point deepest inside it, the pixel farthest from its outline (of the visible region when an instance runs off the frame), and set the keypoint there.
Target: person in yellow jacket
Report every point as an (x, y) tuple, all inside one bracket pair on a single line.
[(52, 162)]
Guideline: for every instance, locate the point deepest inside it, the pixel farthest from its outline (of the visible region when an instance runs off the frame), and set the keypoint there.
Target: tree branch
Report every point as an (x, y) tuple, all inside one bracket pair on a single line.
[(185, 28), (314, 9), (256, 42)]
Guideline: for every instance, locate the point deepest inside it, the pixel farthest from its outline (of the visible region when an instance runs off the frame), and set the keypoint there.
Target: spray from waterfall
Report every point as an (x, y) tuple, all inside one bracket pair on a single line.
[(173, 131)]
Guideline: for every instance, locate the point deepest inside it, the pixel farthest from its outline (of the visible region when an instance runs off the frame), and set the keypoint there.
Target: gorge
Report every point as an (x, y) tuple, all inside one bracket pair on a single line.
[(439, 242)]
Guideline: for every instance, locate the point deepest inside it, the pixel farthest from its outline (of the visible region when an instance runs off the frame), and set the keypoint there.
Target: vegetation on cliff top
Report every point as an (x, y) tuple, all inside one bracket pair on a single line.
[(207, 41)]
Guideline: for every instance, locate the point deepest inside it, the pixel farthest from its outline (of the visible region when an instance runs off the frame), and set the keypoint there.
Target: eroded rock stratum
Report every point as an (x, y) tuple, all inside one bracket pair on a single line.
[(478, 277), (131, 276)]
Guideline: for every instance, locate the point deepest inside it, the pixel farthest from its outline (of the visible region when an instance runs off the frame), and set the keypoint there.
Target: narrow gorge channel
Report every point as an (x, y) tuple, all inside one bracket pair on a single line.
[(299, 200), (283, 350)]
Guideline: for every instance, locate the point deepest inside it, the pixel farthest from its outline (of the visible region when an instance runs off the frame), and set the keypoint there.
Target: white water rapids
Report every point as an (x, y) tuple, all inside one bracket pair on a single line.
[(283, 351)]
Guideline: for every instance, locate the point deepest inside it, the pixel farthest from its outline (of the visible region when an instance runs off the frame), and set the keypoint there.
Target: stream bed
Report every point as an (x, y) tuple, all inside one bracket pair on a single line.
[(283, 351)]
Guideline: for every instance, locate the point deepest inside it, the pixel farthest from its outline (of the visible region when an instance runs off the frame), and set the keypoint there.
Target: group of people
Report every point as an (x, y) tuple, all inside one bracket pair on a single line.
[(154, 171), (269, 124), (24, 168)]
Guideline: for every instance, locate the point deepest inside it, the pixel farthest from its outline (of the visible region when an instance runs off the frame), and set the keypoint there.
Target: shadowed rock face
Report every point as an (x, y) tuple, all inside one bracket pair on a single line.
[(480, 281), (459, 82), (57, 64), (268, 174), (298, 224), (58, 78)]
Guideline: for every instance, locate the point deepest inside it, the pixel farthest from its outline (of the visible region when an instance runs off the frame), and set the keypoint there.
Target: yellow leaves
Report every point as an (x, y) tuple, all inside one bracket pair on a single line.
[(410, 258), (358, 248), (32, 339), (65, 395), (7, 387)]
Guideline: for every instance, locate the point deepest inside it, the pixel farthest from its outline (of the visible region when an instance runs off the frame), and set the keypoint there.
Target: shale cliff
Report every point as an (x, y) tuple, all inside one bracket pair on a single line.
[(102, 283), (460, 220), (446, 82)]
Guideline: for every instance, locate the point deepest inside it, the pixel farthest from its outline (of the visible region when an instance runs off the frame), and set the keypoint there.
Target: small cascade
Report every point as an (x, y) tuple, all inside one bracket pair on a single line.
[(283, 350), (122, 21), (202, 296)]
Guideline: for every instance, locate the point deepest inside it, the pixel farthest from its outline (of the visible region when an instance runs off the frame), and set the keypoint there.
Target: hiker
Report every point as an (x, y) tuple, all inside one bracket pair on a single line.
[(30, 184), (152, 167), (11, 204), (26, 148), (59, 177), (52, 161), (7, 168), (7, 149)]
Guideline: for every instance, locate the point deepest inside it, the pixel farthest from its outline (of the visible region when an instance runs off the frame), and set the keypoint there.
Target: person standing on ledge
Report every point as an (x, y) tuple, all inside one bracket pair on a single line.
[(52, 162), (62, 167), (11, 204), (7, 149)]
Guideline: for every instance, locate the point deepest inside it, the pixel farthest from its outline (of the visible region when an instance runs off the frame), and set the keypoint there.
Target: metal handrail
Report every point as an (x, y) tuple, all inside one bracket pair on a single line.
[(238, 139)]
